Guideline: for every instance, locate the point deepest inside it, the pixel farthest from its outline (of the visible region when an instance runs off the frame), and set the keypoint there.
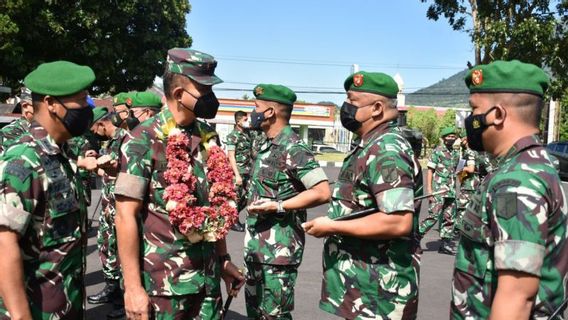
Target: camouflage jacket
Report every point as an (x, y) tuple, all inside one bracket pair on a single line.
[(112, 148), (284, 167), (77, 147), (517, 221), (42, 200), (240, 142), (380, 172), (10, 133), (258, 138), (444, 163), (482, 166), (171, 264)]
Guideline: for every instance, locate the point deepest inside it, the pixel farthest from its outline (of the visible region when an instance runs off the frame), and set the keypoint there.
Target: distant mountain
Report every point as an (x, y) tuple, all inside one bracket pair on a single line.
[(450, 92)]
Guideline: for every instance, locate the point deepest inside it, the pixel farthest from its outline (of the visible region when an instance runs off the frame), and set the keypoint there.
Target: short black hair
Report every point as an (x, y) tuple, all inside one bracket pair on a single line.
[(285, 110), (239, 115), (172, 80), (528, 106)]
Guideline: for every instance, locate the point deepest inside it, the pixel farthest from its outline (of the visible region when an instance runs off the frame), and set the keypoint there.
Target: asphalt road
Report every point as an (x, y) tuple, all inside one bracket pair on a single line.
[(435, 275)]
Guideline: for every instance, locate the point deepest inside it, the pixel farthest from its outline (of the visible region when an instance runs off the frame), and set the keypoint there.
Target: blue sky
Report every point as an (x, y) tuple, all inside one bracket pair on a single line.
[(310, 45)]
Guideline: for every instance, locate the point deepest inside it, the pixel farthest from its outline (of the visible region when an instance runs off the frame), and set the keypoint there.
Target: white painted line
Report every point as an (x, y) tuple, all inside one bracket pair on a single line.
[(339, 164), (323, 163)]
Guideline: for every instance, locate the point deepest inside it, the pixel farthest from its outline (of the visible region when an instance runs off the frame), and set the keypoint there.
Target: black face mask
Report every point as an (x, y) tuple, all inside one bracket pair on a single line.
[(474, 126), (101, 137), (449, 143), (132, 121), (206, 106), (116, 119), (256, 119), (347, 116), (76, 121)]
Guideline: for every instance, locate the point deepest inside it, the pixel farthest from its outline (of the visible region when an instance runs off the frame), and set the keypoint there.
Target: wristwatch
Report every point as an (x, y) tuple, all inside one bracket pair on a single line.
[(223, 258), (280, 207)]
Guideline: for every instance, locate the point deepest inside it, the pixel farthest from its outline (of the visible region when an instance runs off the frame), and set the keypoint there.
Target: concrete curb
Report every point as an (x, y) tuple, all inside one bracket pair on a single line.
[(336, 164)]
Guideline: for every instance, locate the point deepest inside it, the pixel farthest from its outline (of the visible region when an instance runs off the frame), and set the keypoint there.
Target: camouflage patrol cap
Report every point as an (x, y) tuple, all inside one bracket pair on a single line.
[(507, 77), (196, 65), (275, 92), (123, 98), (146, 99), (99, 113), (372, 82), (446, 131), (59, 78), (25, 96)]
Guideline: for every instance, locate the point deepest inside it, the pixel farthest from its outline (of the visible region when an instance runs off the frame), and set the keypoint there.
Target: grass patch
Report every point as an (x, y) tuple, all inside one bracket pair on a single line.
[(331, 157)]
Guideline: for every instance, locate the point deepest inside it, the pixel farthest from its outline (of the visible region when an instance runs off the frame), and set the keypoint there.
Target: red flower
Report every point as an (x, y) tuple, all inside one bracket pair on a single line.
[(221, 214)]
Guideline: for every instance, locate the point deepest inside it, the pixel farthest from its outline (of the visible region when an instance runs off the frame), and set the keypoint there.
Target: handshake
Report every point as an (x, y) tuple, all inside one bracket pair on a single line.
[(102, 165)]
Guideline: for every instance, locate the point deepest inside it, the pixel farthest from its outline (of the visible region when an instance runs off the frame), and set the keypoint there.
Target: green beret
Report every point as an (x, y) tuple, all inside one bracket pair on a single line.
[(373, 82), (123, 98), (197, 65), (98, 113), (275, 92), (446, 131), (146, 99), (507, 77), (59, 78)]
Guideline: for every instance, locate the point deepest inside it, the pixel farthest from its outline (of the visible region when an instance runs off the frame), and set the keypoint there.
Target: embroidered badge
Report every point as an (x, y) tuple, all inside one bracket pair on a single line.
[(358, 80), (477, 77)]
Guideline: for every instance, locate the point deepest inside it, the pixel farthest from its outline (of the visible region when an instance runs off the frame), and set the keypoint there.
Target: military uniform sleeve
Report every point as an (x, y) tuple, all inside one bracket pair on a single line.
[(135, 167), (434, 159), (470, 158), (519, 213), (231, 142), (20, 190), (303, 165), (390, 179)]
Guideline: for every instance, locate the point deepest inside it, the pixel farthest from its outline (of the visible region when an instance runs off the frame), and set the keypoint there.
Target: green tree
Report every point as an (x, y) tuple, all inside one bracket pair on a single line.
[(124, 41), (448, 119), (563, 121), (426, 121), (502, 29)]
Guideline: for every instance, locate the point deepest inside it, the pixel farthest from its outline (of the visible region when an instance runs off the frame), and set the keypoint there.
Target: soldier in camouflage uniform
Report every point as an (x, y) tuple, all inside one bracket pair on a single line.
[(476, 167), (442, 177), (43, 216), (239, 147), (165, 275), (371, 264), (285, 181), (16, 128), (512, 258)]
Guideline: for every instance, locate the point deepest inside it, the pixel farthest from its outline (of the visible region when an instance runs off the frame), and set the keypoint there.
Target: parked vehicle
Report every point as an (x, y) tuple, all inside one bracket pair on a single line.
[(322, 148), (559, 151)]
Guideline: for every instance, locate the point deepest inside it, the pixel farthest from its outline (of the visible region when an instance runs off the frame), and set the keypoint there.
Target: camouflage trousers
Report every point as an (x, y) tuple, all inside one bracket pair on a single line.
[(360, 286), (269, 290), (106, 242), (192, 306), (463, 199), (443, 212), (242, 193), (48, 302)]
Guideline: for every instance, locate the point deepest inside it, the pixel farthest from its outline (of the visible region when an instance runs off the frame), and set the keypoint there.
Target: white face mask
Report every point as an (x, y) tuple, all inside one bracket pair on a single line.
[(245, 124)]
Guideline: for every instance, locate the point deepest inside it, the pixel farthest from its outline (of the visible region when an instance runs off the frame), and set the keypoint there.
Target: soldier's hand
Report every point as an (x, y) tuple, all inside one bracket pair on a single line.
[(319, 227), (263, 206), (230, 274), (137, 304), (88, 163), (91, 153)]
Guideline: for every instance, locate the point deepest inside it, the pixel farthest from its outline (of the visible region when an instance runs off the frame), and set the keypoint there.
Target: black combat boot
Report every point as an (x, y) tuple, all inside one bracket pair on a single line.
[(446, 247), (109, 293), (238, 227)]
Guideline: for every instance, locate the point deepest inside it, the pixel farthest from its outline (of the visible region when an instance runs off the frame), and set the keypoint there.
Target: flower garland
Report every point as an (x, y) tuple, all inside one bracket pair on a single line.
[(197, 223)]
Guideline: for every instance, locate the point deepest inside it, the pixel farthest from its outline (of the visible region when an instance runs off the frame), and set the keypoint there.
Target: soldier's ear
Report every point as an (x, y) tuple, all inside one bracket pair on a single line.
[(177, 93), (378, 108), (500, 115), (49, 102)]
